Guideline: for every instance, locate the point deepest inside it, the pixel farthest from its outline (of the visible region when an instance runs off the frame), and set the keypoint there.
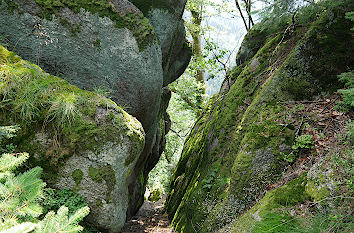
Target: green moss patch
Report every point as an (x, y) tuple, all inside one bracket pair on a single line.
[(268, 214), (104, 173), (253, 128), (57, 119), (77, 175)]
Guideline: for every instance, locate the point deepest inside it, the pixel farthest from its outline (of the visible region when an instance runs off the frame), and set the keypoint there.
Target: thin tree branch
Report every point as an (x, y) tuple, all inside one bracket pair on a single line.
[(243, 18), (186, 99)]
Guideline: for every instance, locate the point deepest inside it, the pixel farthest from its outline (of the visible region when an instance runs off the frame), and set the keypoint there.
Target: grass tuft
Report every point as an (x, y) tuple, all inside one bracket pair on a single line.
[(63, 109)]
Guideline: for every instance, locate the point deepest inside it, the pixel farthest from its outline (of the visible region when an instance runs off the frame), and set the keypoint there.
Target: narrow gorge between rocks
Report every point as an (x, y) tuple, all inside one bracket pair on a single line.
[(189, 116)]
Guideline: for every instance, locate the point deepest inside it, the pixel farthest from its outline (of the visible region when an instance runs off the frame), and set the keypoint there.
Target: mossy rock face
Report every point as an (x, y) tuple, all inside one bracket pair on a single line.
[(320, 182), (82, 140), (128, 50), (267, 213), (235, 150)]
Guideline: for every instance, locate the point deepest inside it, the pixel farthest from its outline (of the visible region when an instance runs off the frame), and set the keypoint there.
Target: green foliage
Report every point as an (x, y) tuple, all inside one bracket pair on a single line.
[(343, 161), (55, 198), (317, 222), (348, 93), (350, 16), (60, 222), (191, 93), (103, 91), (155, 195), (20, 197), (275, 222), (7, 132), (182, 119), (63, 110), (303, 142), (350, 132), (324, 222), (208, 182)]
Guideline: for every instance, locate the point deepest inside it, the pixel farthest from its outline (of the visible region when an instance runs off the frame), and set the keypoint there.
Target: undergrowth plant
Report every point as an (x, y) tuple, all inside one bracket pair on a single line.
[(63, 109), (55, 198), (301, 142), (20, 196), (347, 93)]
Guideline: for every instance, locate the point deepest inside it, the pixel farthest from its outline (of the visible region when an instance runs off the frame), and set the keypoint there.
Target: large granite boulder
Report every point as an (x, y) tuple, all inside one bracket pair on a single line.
[(129, 50), (83, 141)]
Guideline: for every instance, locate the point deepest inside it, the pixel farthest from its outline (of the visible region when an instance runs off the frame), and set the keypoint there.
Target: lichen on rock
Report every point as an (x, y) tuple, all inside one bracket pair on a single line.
[(128, 49), (251, 123), (81, 139)]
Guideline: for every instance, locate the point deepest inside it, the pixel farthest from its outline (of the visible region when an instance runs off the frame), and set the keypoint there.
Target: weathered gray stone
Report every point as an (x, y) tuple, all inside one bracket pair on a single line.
[(91, 52), (91, 151), (98, 56)]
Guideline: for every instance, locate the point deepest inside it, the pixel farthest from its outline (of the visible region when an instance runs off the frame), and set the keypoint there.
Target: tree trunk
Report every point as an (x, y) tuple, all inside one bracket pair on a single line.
[(243, 18), (197, 43)]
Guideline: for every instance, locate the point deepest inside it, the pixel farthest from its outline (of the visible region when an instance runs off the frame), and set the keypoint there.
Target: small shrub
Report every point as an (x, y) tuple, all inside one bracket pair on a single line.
[(55, 198), (20, 196), (303, 142), (348, 93), (208, 183)]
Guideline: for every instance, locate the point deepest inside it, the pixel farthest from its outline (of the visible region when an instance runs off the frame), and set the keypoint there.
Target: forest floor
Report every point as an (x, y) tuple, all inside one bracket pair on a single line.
[(150, 218)]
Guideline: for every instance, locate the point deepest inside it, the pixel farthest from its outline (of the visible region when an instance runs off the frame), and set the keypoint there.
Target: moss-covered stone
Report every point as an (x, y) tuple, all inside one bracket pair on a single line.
[(104, 173), (267, 213), (77, 176), (146, 5), (79, 138), (32, 102), (317, 191), (252, 126)]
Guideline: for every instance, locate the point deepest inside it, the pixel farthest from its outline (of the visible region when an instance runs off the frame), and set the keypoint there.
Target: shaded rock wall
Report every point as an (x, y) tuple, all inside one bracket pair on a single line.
[(236, 149)]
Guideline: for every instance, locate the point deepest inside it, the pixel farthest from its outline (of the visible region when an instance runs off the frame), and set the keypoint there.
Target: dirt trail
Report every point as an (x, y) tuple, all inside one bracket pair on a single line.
[(150, 218)]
